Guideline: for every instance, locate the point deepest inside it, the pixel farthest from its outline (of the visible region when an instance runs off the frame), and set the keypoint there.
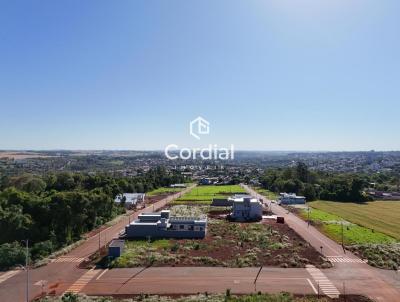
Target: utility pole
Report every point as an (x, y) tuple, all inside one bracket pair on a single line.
[(27, 269), (342, 235), (99, 243), (344, 291), (308, 216)]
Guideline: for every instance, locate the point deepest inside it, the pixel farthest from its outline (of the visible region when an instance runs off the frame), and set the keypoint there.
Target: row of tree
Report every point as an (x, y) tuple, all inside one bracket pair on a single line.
[(316, 185), (56, 209)]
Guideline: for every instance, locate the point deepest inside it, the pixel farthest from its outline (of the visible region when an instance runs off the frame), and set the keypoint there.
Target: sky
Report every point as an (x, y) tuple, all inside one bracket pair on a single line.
[(267, 75)]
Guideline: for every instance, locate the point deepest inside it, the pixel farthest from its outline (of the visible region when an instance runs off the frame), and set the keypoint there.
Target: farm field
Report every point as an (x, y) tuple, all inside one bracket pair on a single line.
[(205, 194), (227, 244), (164, 190), (380, 216), (331, 225)]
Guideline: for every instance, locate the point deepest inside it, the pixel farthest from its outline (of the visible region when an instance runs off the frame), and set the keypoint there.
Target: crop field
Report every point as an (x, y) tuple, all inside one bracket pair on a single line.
[(331, 225), (380, 216), (163, 191), (205, 194), (227, 244)]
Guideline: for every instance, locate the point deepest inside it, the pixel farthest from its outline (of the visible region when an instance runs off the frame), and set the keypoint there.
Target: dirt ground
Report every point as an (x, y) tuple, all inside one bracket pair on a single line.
[(186, 298), (154, 199), (228, 244)]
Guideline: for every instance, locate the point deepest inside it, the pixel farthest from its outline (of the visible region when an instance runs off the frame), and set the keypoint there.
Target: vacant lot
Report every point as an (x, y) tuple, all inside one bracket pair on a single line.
[(227, 297), (362, 238), (163, 191), (226, 244), (331, 225), (380, 216), (385, 256), (205, 194)]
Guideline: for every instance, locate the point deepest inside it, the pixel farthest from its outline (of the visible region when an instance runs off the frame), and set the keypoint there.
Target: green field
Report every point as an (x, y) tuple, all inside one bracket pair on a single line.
[(205, 194), (380, 216), (331, 225), (161, 191), (270, 195)]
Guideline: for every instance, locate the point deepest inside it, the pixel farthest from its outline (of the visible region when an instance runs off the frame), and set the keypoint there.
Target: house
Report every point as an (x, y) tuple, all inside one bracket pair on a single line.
[(162, 225), (292, 198), (246, 208), (206, 181), (116, 248), (178, 186), (130, 199)]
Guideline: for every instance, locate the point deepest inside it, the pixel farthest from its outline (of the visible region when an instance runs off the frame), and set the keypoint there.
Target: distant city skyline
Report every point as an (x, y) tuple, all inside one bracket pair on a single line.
[(268, 75)]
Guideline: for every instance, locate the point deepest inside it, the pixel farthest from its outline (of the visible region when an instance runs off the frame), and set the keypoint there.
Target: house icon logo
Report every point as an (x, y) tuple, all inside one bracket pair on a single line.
[(199, 126)]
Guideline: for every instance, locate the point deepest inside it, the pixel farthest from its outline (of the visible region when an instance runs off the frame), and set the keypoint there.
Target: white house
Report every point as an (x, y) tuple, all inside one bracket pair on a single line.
[(130, 199), (291, 199), (246, 208)]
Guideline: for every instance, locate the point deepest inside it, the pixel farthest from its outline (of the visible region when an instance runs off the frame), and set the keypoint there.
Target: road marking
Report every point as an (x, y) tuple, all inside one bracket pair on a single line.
[(323, 282), (8, 275), (99, 276), (340, 259), (69, 259), (312, 286), (82, 281)]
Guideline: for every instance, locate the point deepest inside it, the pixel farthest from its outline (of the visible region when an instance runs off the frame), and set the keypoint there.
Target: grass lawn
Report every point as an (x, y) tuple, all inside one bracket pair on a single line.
[(331, 225), (270, 195), (163, 190), (205, 194), (380, 216)]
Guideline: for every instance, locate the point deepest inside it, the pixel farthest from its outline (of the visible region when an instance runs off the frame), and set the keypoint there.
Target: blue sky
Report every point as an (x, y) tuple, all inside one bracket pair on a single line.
[(268, 75)]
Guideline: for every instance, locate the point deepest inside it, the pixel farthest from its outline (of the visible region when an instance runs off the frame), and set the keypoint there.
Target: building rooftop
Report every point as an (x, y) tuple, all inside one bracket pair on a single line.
[(130, 197)]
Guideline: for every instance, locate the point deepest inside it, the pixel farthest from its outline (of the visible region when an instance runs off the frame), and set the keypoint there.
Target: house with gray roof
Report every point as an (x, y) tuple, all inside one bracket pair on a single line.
[(287, 199), (162, 225)]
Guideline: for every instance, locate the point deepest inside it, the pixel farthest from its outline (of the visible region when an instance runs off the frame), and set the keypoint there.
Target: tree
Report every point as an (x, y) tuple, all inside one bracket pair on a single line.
[(309, 192), (302, 172), (11, 254)]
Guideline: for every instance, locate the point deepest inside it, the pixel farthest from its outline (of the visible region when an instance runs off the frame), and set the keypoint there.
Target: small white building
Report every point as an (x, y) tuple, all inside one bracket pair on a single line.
[(292, 198), (246, 208), (178, 186), (130, 199)]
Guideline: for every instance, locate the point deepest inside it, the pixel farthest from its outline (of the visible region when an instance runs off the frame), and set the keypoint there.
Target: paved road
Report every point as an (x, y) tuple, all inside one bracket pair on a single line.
[(349, 275), (59, 275)]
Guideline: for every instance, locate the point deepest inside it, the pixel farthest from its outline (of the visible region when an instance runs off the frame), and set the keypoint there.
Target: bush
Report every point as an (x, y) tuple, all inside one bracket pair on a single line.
[(11, 254), (42, 249)]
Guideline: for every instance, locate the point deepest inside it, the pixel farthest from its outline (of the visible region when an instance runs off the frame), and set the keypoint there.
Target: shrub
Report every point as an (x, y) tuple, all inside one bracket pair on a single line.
[(11, 254)]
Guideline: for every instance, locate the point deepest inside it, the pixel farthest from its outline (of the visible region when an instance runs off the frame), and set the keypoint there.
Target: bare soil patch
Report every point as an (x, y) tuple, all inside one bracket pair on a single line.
[(228, 244)]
